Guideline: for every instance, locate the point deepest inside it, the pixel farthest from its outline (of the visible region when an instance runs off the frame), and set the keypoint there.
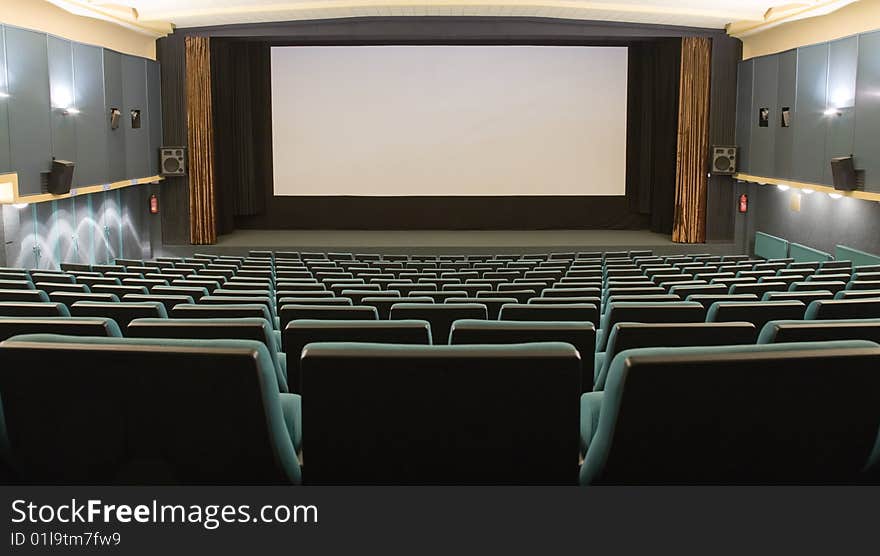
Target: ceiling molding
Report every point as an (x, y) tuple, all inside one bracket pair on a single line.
[(115, 12), (786, 14)]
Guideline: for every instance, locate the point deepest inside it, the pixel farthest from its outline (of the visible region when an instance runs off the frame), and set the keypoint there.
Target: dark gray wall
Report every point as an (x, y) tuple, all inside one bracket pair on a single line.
[(46, 74), (30, 126), (841, 76)]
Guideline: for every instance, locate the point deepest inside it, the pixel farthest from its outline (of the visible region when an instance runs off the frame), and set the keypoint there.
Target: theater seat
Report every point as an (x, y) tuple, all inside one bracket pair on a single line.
[(843, 309), (260, 330), (440, 414), (706, 300), (493, 304), (669, 311), (70, 326), (33, 309), (857, 294), (69, 298), (580, 312), (582, 335), (32, 296), (441, 316), (122, 313), (770, 423), (383, 304), (632, 335), (169, 301), (159, 411), (231, 311), (804, 297), (300, 333), (758, 313), (16, 285), (780, 331), (287, 313)]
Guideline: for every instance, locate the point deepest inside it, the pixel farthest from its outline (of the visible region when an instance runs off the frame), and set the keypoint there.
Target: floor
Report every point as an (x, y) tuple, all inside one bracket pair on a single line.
[(448, 241)]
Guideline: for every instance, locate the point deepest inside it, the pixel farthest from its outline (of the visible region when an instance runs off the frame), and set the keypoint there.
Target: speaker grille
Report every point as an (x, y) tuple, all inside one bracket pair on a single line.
[(722, 163), (171, 165)]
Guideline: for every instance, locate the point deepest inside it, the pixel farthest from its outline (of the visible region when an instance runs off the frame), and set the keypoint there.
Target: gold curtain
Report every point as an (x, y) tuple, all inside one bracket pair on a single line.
[(200, 140), (692, 157)]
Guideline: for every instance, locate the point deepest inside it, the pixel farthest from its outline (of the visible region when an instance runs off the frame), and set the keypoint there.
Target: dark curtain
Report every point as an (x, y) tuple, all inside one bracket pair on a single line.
[(654, 69), (242, 123)]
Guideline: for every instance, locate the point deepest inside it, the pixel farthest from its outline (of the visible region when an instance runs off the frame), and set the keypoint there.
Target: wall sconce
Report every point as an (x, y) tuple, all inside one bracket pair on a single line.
[(4, 94), (115, 115), (808, 191), (7, 194), (782, 187), (835, 196), (832, 112)]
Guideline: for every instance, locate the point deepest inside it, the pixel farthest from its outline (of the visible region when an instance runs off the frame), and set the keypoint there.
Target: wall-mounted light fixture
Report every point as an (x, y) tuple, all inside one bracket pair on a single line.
[(835, 196), (808, 191), (4, 94), (20, 206), (832, 112), (782, 187)]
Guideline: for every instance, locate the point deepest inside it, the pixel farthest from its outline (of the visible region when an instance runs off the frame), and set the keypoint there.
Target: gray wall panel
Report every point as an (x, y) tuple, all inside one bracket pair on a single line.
[(786, 97), (810, 121), (745, 82), (134, 94), (5, 164), (842, 67), (113, 98), (762, 151), (154, 115), (867, 125), (92, 123), (62, 96), (29, 107)]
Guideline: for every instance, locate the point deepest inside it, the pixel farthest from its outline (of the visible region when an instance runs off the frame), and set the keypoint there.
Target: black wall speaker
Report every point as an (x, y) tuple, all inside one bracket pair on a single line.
[(843, 172), (60, 177), (173, 161), (724, 160)]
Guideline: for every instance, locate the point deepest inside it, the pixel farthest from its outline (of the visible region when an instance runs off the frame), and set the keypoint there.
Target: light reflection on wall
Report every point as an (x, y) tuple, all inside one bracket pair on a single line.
[(89, 229)]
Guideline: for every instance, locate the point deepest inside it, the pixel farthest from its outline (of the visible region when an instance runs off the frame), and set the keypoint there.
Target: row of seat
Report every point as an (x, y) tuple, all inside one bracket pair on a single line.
[(135, 410)]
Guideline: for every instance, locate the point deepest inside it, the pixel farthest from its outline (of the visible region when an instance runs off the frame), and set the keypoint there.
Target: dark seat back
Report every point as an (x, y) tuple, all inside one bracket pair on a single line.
[(32, 309), (441, 414), (142, 411), (758, 313), (632, 335), (844, 309), (122, 313), (780, 331), (69, 326), (300, 333), (32, 296), (582, 335), (581, 312), (441, 316), (288, 313), (764, 426), (231, 311)]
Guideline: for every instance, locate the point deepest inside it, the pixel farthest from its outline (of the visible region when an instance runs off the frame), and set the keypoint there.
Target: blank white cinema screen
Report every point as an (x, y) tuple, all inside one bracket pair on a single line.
[(449, 120)]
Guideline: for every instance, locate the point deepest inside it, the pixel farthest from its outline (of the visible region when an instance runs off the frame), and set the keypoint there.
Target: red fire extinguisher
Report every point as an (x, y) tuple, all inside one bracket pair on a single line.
[(743, 203), (154, 204)]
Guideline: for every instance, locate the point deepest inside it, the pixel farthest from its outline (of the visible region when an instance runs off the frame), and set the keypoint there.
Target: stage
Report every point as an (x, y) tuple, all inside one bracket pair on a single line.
[(446, 242)]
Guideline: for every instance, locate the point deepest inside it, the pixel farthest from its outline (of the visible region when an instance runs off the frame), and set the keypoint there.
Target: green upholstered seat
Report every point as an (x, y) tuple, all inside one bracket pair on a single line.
[(779, 331), (735, 415), (159, 411), (71, 326)]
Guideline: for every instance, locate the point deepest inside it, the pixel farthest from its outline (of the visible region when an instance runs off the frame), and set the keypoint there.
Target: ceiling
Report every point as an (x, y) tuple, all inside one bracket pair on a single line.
[(160, 16)]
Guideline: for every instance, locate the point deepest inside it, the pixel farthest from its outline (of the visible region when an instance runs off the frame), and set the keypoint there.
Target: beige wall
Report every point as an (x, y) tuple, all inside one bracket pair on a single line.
[(859, 17), (43, 16)]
